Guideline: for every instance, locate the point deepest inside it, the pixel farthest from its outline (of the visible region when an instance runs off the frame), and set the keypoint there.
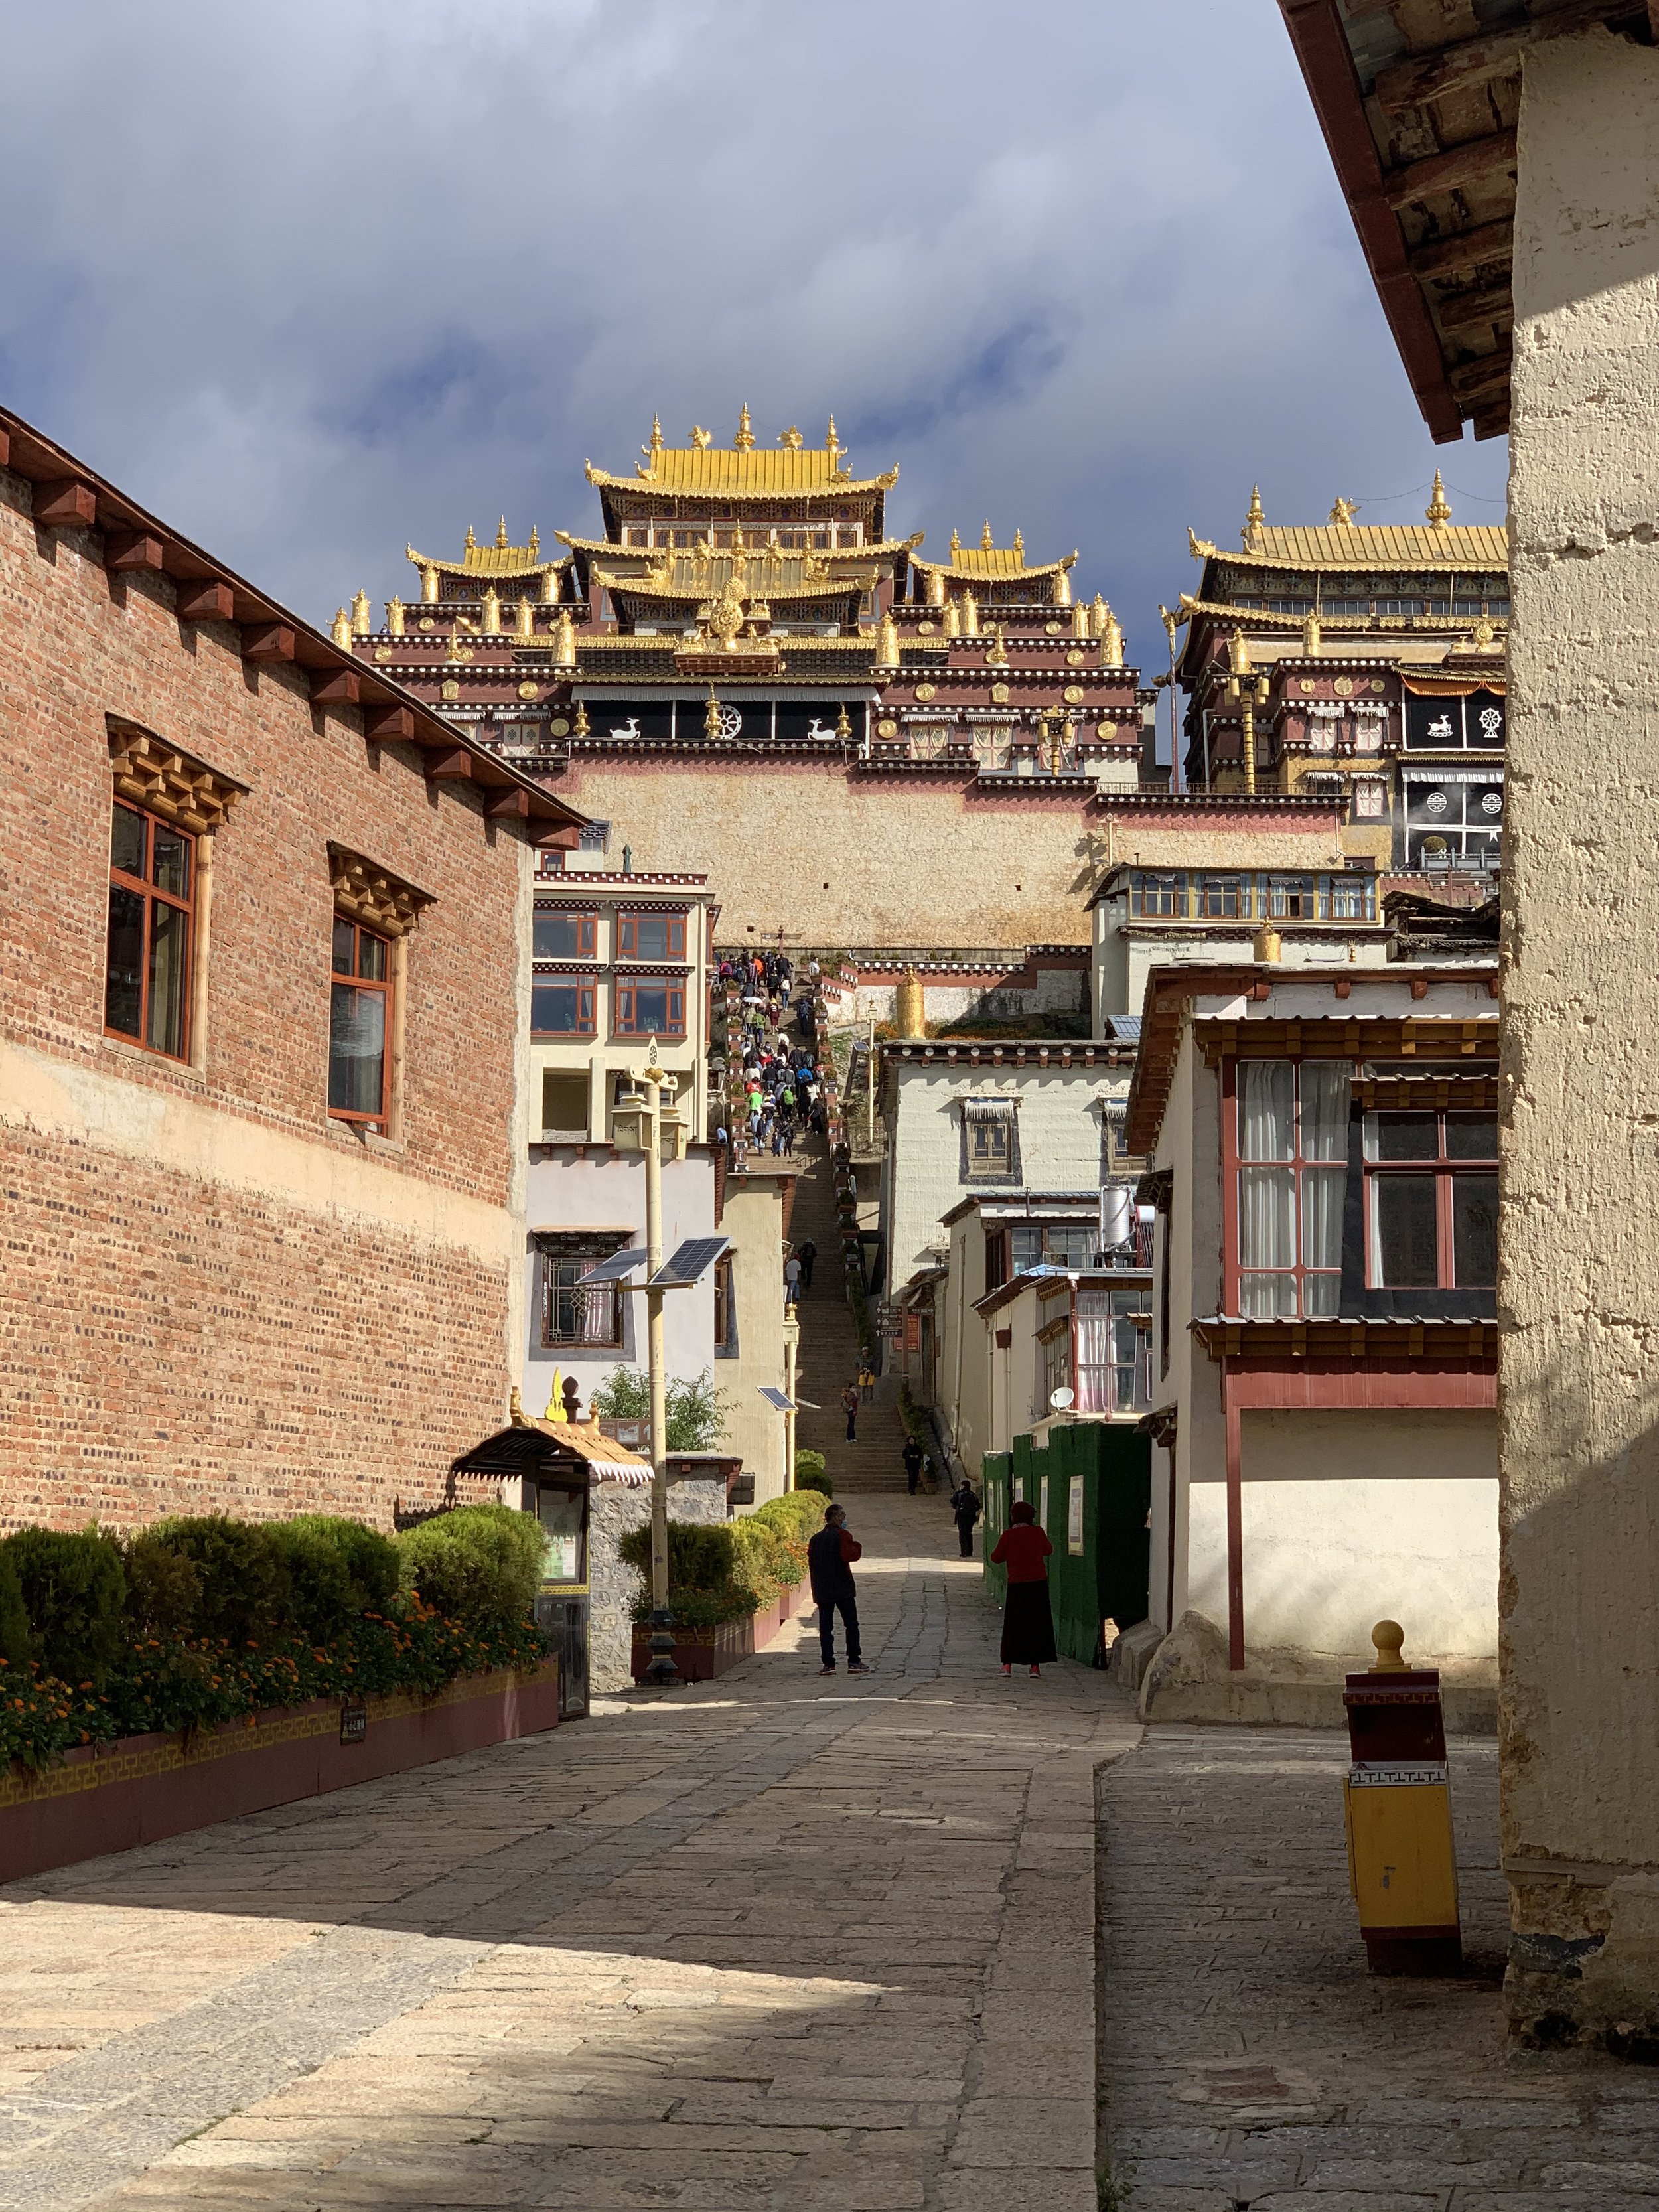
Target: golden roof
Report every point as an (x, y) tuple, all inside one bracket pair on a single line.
[(744, 469), (1435, 543), (499, 559), (989, 560), (757, 547), (762, 581)]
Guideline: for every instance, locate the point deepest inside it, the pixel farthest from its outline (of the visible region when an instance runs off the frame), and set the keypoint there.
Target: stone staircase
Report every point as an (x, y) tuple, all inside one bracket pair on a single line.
[(828, 1359)]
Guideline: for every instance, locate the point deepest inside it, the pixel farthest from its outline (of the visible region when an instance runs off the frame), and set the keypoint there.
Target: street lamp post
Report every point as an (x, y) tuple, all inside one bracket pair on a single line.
[(791, 1341), (662, 1672)]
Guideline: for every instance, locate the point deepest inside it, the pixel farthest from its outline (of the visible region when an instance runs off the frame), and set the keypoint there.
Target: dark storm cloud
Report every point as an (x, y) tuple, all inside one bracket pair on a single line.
[(313, 282)]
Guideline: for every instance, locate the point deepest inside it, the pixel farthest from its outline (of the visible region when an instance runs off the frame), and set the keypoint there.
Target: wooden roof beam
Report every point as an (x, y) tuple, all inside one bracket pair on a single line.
[(203, 599), (1473, 61), (1484, 379), (269, 641), (455, 766), (126, 550), (1475, 163), (513, 806), (386, 722), (66, 504), (1463, 252), (1474, 310), (338, 687)]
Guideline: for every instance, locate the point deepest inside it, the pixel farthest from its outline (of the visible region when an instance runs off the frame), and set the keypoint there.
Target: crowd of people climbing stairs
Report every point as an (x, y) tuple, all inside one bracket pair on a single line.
[(774, 1078)]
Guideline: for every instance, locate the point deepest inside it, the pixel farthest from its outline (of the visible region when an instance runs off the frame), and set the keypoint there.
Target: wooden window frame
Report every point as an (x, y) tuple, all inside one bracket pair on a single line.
[(387, 986), (627, 933), (1233, 1167), (587, 925), (624, 1023), (551, 1290), (152, 893), (996, 1259), (1446, 1171), (587, 1002)]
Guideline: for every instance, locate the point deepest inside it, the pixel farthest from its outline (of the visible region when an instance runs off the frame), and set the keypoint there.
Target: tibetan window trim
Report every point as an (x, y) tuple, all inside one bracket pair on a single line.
[(999, 1106), (156, 775), (364, 892), (580, 1243)]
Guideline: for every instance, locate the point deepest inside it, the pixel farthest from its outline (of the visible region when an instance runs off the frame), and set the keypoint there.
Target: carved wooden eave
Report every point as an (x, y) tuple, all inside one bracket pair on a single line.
[(368, 893), (155, 774)]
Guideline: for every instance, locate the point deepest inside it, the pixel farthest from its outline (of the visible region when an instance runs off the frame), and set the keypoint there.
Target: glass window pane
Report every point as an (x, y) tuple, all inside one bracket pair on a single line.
[(1323, 1190), (1475, 1230), (169, 961), (127, 844), (563, 936), (560, 1512), (170, 860), (649, 937), (1267, 1217), (1027, 1238), (1321, 1295), (562, 1009), (123, 963), (1402, 1136), (356, 1050), (1471, 1136), (1267, 1109), (371, 957), (1325, 1111), (1266, 1297), (1405, 1245), (345, 943)]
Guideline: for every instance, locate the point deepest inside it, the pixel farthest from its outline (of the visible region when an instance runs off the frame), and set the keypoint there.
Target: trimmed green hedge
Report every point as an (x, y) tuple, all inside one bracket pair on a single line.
[(204, 1618), (810, 1474), (730, 1569)]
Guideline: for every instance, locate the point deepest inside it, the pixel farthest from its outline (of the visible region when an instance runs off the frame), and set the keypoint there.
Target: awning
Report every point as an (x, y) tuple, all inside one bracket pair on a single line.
[(1493, 775), (1455, 687)]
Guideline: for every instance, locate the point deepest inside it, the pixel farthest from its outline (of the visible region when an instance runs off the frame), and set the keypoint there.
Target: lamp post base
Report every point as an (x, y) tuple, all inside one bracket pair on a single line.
[(662, 1674)]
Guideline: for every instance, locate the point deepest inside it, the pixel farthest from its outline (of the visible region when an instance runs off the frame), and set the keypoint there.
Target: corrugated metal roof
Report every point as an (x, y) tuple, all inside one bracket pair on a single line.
[(1376, 545), (743, 473)]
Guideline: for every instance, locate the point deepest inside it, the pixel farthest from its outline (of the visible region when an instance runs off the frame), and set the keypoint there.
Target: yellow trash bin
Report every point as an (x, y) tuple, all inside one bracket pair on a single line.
[(1396, 1800)]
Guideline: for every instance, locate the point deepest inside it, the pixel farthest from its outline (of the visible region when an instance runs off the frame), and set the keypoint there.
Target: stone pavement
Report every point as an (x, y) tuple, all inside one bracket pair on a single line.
[(771, 1940), (1250, 2061)]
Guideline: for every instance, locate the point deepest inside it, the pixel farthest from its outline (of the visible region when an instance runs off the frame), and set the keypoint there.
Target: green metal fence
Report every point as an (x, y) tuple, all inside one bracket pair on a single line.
[(1091, 1486)]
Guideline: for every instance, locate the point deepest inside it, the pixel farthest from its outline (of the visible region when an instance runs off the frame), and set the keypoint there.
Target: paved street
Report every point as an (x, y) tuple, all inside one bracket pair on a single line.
[(754, 1944), (1250, 2061)]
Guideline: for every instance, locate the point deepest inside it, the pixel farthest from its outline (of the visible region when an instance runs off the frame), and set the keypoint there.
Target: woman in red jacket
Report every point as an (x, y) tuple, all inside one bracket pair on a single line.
[(1028, 1626)]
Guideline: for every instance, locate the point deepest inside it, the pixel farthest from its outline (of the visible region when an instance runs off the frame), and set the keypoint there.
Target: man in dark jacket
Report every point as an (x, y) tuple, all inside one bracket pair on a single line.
[(914, 1459), (964, 1511), (830, 1558)]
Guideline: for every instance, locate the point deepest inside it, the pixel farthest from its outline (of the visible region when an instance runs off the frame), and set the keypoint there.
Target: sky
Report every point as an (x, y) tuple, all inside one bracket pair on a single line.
[(316, 281)]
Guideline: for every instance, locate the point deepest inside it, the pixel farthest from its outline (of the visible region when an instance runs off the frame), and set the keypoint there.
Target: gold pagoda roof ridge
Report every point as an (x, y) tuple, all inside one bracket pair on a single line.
[(499, 560), (612, 551), (743, 469), (977, 563), (1363, 546)]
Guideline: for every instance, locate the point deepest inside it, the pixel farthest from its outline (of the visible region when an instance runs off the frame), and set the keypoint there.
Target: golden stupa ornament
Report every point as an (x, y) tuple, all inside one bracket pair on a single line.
[(649, 452), (471, 539), (1111, 639), (987, 542), (502, 541), (394, 618), (832, 446), (1252, 538), (745, 437), (579, 726), (1438, 511), (843, 725), (564, 649), (711, 715), (887, 642), (361, 621), (342, 627), (955, 544)]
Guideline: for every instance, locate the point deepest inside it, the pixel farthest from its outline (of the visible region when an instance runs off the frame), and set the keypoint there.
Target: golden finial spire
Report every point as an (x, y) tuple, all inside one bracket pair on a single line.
[(655, 447), (343, 629), (791, 439), (955, 544), (1238, 653), (578, 724), (361, 621), (987, 542), (501, 534), (471, 541), (832, 442), (843, 725), (1343, 511), (1019, 547), (745, 437), (1251, 537), (535, 541), (711, 715), (1438, 512)]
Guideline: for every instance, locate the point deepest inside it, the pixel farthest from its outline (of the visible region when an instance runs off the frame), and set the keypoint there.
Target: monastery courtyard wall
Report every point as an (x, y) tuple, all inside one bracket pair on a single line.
[(837, 856)]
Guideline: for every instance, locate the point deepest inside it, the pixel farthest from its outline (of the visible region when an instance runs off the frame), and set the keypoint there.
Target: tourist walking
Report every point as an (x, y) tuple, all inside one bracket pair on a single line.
[(790, 1281), (806, 1251), (830, 1558), (964, 1511), (849, 1405), (914, 1460), (1028, 1625)]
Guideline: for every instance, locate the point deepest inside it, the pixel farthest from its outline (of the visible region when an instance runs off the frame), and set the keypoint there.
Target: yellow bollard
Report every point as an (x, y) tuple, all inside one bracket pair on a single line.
[(1396, 1805)]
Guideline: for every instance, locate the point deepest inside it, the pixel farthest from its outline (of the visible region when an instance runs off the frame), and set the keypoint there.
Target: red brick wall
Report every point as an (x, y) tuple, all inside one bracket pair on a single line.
[(165, 1341)]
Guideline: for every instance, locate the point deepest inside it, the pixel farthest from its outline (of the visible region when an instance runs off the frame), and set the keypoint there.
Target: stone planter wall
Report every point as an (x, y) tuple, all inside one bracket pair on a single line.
[(701, 1654)]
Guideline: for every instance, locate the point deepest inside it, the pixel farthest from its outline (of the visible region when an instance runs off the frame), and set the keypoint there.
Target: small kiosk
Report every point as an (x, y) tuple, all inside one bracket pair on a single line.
[(548, 1469)]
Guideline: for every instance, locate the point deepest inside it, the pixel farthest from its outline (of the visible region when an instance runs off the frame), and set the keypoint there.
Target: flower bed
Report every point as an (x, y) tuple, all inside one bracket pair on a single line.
[(731, 1587)]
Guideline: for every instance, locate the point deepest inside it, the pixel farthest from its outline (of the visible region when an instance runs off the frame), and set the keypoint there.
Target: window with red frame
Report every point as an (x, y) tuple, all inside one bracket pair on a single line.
[(560, 935), (650, 1009), (560, 1007), (1292, 1170), (358, 1025), (150, 946), (1430, 1200), (651, 937)]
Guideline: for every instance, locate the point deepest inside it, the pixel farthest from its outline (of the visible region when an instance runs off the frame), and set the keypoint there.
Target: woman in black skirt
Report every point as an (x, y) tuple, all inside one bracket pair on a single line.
[(1028, 1625)]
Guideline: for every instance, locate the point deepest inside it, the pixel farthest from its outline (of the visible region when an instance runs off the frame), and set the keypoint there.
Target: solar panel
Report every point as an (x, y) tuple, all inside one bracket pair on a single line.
[(613, 1269), (689, 1263), (776, 1399)]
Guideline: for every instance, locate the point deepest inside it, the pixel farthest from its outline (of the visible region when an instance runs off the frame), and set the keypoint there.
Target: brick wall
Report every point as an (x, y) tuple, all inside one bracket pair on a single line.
[(212, 1293)]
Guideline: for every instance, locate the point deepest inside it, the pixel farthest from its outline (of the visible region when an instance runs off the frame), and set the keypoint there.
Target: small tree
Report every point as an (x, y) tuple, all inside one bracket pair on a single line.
[(697, 1411)]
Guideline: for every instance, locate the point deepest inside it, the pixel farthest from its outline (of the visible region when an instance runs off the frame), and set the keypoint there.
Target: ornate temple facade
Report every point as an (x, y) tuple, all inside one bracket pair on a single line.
[(749, 600), (1363, 663)]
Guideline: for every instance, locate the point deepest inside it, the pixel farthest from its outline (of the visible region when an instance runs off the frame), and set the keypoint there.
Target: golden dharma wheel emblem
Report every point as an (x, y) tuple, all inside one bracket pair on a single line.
[(1052, 628), (1309, 686), (1344, 687), (451, 689), (427, 622), (887, 727), (1072, 694), (925, 690), (1103, 729), (999, 695), (1074, 659), (559, 727), (383, 653), (926, 629), (527, 691)]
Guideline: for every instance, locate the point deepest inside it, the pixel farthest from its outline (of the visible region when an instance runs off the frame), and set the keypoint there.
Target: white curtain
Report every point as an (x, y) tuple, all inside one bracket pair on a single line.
[(1267, 1217), (1324, 1110), (1267, 1109), (1093, 1351)]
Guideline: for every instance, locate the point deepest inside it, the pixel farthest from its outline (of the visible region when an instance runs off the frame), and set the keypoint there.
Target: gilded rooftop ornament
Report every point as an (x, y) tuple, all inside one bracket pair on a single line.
[(702, 439), (1343, 511), (1438, 511), (791, 439), (745, 437), (987, 542), (1250, 538), (655, 446)]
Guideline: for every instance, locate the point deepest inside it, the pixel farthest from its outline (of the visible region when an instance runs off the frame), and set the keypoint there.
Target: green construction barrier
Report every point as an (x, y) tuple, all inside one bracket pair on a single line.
[(1091, 1486)]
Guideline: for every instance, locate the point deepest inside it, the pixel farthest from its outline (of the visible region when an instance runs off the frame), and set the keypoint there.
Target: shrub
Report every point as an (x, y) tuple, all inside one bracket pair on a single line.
[(245, 1592), (322, 1598), (479, 1564), (696, 1412), (13, 1620), (371, 1560), (164, 1590), (810, 1474), (73, 1593)]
